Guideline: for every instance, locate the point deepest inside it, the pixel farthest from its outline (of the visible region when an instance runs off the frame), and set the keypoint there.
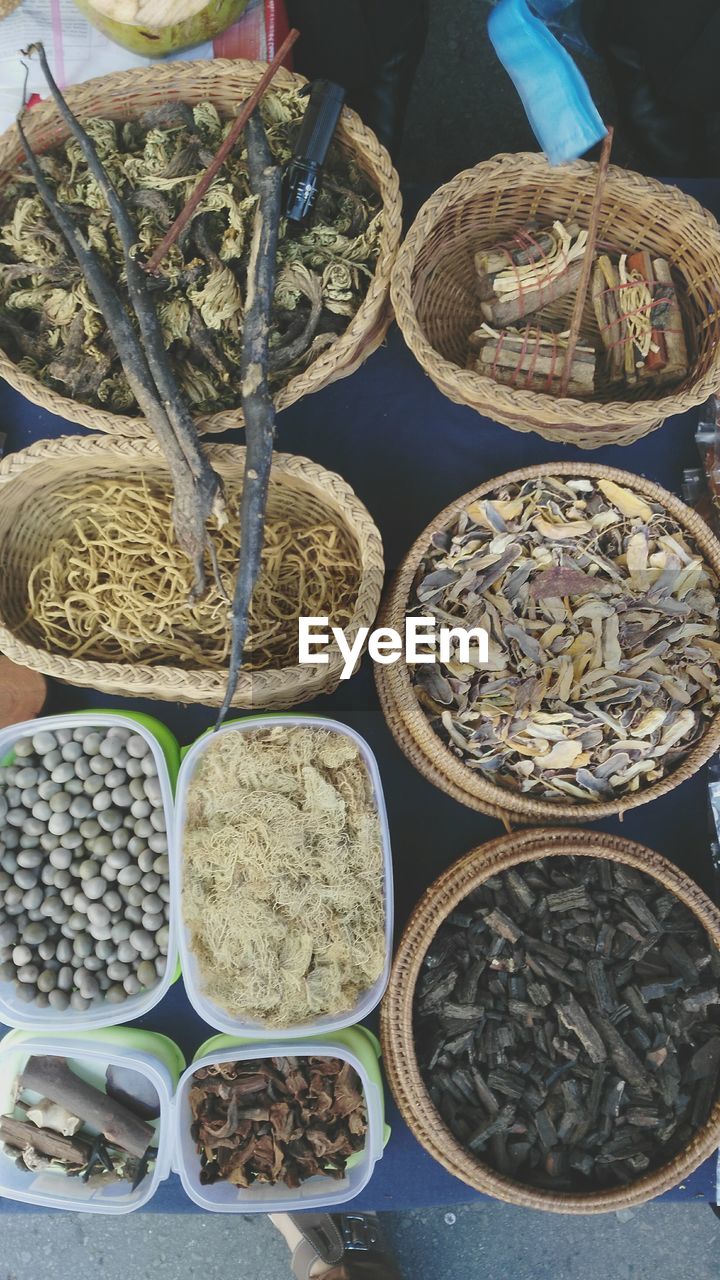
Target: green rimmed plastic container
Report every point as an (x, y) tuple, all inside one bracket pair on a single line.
[(166, 753), (356, 1045), (154, 1056), (208, 1009)]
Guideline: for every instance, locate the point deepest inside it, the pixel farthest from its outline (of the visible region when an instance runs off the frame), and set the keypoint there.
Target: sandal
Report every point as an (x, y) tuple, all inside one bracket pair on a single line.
[(330, 1239)]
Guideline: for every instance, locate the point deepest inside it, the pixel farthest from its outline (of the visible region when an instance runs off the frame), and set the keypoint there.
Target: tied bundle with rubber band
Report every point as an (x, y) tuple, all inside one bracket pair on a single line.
[(639, 318), (531, 359), (533, 268)]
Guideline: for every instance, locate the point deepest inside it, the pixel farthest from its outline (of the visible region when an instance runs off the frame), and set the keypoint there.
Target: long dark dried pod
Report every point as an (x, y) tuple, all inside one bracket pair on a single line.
[(198, 488), (258, 408)]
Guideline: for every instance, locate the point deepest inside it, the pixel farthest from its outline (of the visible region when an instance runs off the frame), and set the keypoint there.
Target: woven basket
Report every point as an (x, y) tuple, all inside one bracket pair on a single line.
[(426, 750), (396, 1021), (125, 95), (437, 305), (31, 519)]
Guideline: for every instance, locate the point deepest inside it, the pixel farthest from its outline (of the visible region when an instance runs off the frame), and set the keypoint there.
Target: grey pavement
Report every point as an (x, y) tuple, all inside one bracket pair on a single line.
[(489, 1242)]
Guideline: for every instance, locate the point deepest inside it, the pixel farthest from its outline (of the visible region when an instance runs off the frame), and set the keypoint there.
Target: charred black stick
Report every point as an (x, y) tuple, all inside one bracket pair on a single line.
[(258, 408), (135, 366), (201, 496)]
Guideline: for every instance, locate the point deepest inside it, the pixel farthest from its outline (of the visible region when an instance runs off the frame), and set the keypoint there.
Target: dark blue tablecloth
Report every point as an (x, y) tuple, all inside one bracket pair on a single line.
[(407, 452)]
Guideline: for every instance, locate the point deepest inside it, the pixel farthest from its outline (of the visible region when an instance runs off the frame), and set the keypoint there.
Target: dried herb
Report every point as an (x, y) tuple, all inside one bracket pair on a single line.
[(639, 318), (50, 322), (529, 271), (283, 880), (602, 618), (533, 359), (114, 587), (567, 1023), (76, 1129), (272, 1120)]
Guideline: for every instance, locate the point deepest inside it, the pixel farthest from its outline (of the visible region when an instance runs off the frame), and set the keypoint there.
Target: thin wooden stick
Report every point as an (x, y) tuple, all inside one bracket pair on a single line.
[(587, 262), (215, 165)]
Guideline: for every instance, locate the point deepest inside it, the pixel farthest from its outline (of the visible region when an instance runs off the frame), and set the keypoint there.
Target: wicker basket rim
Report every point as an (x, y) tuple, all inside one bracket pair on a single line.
[(330, 486), (395, 680), (523, 404), (366, 328), (400, 1060)]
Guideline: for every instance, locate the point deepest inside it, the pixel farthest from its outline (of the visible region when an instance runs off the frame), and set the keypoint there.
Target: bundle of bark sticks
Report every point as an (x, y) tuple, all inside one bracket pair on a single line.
[(640, 330)]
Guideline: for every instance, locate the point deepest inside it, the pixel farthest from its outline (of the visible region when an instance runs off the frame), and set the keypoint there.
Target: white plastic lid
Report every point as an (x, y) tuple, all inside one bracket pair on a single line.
[(207, 1008)]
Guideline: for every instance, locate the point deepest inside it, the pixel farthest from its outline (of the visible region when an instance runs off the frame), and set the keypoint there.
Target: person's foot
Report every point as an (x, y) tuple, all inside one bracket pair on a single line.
[(319, 1242)]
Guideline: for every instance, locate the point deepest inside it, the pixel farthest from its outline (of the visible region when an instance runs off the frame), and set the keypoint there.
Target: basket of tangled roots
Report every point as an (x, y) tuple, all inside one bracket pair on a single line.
[(156, 130), (96, 591)]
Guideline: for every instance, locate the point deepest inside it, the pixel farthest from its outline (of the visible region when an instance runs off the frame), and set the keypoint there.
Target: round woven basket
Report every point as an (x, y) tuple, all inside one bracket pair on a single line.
[(426, 750), (396, 1021), (437, 305), (125, 95), (32, 518)]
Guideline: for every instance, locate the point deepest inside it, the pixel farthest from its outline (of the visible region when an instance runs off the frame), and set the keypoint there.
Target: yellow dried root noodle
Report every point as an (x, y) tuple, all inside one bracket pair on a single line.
[(283, 874), (115, 586)]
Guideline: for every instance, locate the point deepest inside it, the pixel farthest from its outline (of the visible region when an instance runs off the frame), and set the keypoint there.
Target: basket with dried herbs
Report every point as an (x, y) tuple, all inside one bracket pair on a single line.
[(97, 593), (567, 1023), (599, 596), (157, 128), (50, 323), (551, 1030)]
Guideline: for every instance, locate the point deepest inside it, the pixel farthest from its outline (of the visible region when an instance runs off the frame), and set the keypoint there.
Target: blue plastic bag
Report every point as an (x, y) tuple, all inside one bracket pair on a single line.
[(556, 99)]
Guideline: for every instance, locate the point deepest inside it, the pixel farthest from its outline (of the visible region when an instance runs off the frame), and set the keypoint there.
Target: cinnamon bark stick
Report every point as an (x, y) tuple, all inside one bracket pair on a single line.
[(223, 152), (586, 262), (503, 312), (53, 1079), (21, 1134)]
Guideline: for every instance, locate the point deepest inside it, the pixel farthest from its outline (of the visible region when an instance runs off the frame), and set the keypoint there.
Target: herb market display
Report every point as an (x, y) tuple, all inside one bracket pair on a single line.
[(62, 1126), (84, 869), (114, 586), (567, 1022), (599, 595), (283, 893), (271, 1120), (50, 323)]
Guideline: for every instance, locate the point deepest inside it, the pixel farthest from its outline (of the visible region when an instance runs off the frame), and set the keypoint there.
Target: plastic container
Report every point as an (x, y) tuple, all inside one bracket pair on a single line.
[(154, 1056), (166, 754), (355, 1045), (207, 1008), (161, 1061)]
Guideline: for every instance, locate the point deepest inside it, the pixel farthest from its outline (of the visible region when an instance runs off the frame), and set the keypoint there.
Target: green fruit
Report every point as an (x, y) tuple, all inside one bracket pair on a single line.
[(215, 17)]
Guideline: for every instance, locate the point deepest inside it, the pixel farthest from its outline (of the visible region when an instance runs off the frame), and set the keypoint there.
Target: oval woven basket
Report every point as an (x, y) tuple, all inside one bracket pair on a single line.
[(126, 94), (437, 305), (31, 520), (396, 1019), (426, 750)]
